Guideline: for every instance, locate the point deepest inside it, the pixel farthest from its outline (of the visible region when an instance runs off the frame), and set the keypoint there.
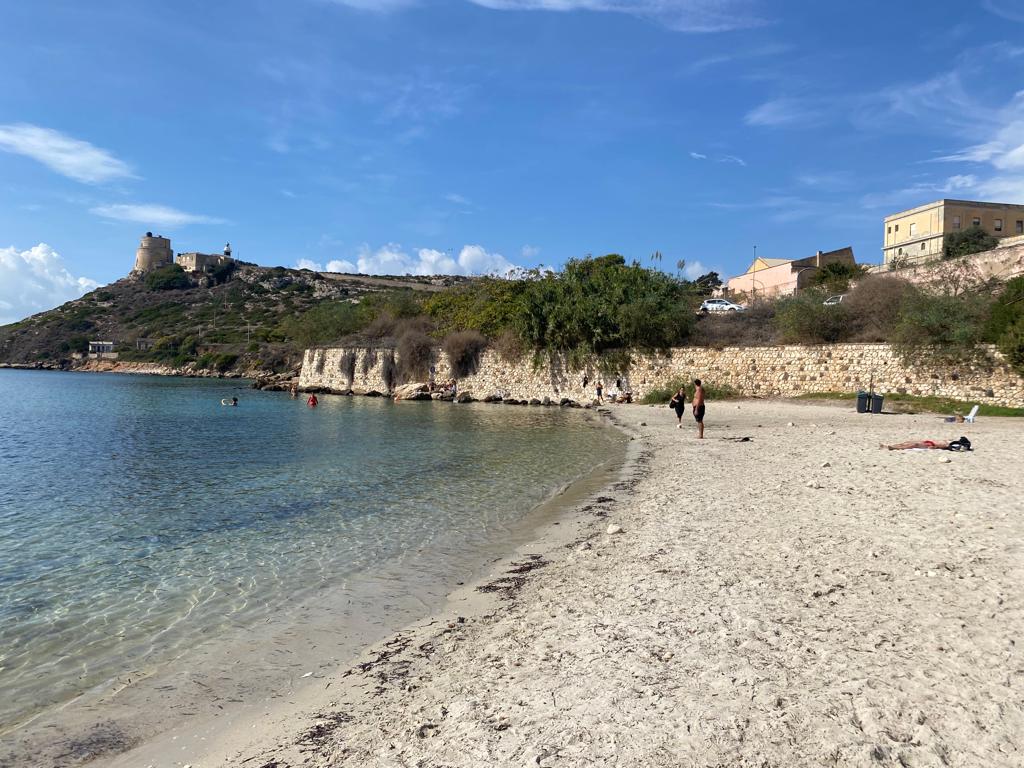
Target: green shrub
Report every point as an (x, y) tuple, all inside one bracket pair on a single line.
[(967, 241), (169, 278), (464, 350), (941, 328), (1006, 310), (1011, 344), (804, 319), (835, 276), (221, 361), (873, 307)]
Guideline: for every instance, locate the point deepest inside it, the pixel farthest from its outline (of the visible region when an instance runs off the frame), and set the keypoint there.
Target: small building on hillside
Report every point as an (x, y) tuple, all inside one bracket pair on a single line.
[(102, 350), (202, 262), (918, 234), (784, 277)]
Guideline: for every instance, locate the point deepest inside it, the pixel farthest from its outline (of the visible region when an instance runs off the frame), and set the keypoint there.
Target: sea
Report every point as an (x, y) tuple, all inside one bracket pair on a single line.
[(162, 554)]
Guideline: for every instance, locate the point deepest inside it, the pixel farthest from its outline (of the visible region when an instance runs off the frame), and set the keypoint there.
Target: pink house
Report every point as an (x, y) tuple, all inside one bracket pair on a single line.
[(784, 277)]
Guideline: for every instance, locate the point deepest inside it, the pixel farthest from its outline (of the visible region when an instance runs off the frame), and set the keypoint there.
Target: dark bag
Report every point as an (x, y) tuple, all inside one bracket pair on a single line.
[(963, 444)]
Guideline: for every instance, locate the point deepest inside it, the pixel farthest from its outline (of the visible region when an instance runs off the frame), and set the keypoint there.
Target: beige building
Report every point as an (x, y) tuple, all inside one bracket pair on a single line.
[(783, 277), (918, 234), (153, 252), (200, 262)]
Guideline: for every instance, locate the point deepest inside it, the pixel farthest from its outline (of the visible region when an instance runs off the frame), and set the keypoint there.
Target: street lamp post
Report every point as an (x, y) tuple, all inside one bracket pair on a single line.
[(753, 281)]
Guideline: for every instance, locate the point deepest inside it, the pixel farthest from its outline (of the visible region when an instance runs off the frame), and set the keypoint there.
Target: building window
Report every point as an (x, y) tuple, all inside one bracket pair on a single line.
[(976, 221), (922, 246), (956, 222), (913, 228), (897, 227), (899, 252), (888, 230), (1020, 227), (999, 225)]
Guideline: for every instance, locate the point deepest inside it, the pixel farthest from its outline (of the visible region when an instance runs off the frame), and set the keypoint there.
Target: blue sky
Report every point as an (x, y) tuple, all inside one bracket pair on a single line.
[(466, 135)]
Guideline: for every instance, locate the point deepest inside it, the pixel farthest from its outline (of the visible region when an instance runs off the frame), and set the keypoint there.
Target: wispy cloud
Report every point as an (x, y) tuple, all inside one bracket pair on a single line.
[(530, 252), (785, 112), (152, 214), (764, 51), (731, 159), (1008, 9), (454, 197), (36, 280), (680, 15), (68, 156)]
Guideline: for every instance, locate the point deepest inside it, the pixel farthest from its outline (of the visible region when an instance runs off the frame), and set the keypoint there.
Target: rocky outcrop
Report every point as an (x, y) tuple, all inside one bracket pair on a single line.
[(417, 391)]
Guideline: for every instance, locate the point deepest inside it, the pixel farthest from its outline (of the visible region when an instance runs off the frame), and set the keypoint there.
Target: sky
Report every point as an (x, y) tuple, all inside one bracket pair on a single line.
[(470, 136)]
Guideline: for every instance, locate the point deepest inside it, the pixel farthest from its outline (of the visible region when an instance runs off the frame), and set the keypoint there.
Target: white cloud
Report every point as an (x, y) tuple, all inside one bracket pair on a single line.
[(391, 259), (784, 112), (161, 216), (36, 280), (376, 5), (76, 159), (733, 159), (453, 197), (694, 269), (698, 156), (1008, 9), (530, 252)]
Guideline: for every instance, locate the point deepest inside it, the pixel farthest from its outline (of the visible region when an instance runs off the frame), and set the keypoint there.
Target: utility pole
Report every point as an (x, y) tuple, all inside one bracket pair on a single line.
[(753, 281)]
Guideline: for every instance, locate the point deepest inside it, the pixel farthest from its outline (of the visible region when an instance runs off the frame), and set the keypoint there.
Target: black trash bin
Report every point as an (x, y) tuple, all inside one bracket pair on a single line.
[(862, 402), (876, 403)]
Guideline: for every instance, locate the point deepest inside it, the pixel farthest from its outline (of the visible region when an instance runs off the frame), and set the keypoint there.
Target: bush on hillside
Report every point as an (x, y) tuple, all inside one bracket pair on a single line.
[(873, 307), (489, 305), (1006, 310), (415, 355), (169, 278), (1011, 344), (754, 327), (464, 350), (326, 323), (835, 276), (967, 241), (941, 328), (509, 346), (804, 319)]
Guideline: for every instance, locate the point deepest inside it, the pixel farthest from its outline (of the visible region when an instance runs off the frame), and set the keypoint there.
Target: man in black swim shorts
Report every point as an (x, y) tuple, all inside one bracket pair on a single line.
[(698, 407)]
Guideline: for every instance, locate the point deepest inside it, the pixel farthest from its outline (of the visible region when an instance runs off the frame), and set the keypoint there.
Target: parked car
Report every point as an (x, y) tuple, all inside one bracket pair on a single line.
[(831, 301), (720, 305)]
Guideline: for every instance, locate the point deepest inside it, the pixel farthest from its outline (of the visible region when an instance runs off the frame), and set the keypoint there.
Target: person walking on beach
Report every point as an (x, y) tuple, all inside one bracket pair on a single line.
[(600, 392), (678, 404), (698, 407)]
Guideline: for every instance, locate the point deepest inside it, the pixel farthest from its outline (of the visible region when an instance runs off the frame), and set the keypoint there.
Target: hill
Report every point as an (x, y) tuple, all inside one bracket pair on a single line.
[(244, 317)]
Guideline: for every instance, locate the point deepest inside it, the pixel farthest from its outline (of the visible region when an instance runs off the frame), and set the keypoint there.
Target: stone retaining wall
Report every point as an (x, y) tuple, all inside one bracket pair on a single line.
[(754, 371)]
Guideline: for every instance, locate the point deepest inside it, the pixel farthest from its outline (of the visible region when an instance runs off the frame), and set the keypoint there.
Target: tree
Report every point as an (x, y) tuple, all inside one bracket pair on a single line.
[(707, 284), (968, 241), (835, 276), (167, 278)]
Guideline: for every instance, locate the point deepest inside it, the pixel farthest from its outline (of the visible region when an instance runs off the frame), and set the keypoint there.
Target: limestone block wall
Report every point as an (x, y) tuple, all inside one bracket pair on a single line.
[(784, 371)]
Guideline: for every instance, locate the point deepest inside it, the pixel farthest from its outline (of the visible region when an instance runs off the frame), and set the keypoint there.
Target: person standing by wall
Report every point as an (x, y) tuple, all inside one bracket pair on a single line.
[(678, 404), (698, 407)]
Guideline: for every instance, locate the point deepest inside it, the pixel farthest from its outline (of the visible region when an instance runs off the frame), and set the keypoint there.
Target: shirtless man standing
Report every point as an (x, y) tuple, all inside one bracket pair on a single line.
[(698, 407)]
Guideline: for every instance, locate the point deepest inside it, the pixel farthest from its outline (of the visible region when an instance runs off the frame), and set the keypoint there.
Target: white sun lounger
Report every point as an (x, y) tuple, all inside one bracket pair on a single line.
[(970, 416)]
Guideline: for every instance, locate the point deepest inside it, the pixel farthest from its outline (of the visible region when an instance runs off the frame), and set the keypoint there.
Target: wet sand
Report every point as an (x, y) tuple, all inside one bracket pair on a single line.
[(799, 599)]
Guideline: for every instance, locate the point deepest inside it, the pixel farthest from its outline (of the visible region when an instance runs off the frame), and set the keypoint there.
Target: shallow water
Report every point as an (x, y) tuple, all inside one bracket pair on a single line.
[(142, 524)]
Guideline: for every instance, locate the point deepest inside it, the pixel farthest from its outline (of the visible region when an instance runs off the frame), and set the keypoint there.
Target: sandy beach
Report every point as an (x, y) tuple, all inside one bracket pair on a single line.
[(802, 598)]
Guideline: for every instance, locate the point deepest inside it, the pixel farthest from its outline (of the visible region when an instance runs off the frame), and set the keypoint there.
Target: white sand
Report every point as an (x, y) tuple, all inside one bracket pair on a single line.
[(759, 609)]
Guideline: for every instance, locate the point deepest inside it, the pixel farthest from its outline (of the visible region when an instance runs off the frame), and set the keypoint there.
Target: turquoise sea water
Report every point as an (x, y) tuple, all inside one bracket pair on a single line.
[(140, 519)]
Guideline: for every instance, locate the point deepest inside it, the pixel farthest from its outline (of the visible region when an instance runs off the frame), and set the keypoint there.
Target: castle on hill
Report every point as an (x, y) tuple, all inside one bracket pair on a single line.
[(155, 252)]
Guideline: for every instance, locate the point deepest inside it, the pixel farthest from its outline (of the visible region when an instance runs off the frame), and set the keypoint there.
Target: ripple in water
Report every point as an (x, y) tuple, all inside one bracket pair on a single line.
[(143, 526)]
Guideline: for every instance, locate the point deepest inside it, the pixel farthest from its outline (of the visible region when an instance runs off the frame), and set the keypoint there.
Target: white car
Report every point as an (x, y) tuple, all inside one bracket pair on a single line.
[(720, 305), (831, 301)]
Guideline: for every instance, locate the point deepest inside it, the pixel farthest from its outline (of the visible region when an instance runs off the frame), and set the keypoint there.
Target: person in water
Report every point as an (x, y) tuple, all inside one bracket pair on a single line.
[(698, 407), (312, 402), (234, 401), (294, 392), (678, 404)]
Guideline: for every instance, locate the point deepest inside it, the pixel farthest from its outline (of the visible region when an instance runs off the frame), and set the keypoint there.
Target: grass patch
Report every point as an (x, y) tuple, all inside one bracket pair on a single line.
[(919, 403)]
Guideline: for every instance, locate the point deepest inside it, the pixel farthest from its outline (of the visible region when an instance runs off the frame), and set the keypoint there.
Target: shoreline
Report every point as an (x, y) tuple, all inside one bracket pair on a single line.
[(800, 598), (80, 736)]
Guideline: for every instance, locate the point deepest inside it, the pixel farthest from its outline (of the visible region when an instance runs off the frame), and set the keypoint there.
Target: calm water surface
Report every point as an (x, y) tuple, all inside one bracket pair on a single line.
[(140, 520)]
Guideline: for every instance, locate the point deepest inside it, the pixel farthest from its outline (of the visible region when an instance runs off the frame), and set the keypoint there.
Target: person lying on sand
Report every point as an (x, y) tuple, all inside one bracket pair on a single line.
[(963, 444)]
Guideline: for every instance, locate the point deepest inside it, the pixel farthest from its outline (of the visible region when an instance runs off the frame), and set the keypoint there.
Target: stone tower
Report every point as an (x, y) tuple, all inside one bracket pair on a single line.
[(154, 252)]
